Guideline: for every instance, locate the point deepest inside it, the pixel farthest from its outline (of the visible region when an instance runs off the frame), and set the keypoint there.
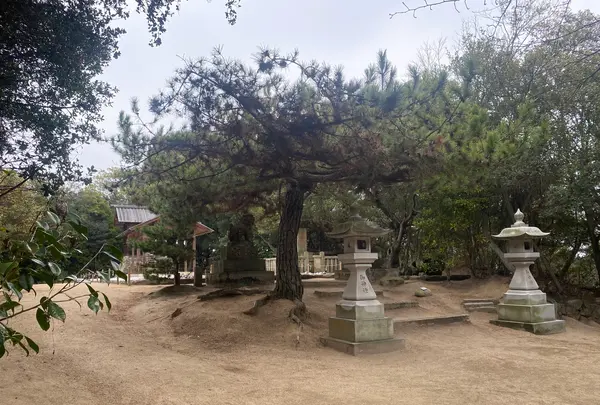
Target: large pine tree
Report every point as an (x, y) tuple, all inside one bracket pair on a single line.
[(253, 133)]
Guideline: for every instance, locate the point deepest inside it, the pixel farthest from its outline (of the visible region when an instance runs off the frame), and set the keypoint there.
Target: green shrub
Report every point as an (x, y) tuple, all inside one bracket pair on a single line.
[(158, 269)]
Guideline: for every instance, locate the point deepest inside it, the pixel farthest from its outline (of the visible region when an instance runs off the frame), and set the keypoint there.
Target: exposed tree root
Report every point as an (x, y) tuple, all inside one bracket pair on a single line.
[(176, 313), (231, 292), (298, 314), (259, 303)]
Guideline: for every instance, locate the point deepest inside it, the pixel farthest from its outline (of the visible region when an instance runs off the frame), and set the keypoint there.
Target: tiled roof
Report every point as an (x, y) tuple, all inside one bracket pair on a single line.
[(199, 228), (133, 214)]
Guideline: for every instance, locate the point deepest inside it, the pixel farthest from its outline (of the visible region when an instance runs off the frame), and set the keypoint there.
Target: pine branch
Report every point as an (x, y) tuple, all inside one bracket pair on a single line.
[(430, 5)]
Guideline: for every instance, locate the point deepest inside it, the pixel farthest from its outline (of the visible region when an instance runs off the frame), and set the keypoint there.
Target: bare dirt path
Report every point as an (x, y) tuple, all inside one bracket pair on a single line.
[(211, 354)]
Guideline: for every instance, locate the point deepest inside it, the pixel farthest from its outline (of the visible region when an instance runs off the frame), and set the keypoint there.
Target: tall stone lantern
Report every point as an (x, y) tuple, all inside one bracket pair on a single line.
[(360, 325), (524, 305)]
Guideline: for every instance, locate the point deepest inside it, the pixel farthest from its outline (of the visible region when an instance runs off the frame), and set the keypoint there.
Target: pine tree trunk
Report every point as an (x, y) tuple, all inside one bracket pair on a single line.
[(397, 247), (594, 240), (176, 276), (288, 281)]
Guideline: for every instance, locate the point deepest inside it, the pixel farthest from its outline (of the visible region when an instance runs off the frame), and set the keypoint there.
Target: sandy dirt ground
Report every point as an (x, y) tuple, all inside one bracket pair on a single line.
[(213, 354)]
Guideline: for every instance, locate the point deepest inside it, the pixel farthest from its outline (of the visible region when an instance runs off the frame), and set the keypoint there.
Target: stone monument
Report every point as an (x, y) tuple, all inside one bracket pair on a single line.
[(524, 305), (241, 265), (360, 325)]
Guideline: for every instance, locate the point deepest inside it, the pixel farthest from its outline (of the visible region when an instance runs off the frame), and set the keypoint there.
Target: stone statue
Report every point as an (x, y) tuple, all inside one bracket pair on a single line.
[(241, 245), (243, 230), (242, 265)]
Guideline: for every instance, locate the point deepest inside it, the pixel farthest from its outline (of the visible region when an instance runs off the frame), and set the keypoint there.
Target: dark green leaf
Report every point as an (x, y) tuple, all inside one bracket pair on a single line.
[(80, 229), (72, 217), (42, 225), (45, 276), (121, 275), (12, 274), (94, 304), (115, 252), (40, 235), (104, 276), (23, 347), (32, 247), (53, 218), (108, 304), (33, 345), (54, 268), (42, 319), (14, 337), (47, 238), (92, 291), (9, 305), (115, 265), (56, 254), (5, 267), (26, 281), (111, 256), (55, 311), (15, 289), (2, 350), (38, 262)]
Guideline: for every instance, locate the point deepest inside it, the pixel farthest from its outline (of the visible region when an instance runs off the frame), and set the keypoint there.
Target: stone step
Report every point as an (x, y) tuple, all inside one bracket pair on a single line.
[(338, 293), (433, 320), (400, 304), (468, 305), (539, 328), (488, 309), (475, 300)]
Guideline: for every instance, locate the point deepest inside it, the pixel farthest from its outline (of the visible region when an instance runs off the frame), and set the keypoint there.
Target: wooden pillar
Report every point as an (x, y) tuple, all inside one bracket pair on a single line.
[(302, 241), (194, 250), (197, 274)]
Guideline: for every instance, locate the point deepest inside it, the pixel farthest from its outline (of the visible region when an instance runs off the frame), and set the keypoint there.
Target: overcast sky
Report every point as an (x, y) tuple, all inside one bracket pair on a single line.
[(346, 32)]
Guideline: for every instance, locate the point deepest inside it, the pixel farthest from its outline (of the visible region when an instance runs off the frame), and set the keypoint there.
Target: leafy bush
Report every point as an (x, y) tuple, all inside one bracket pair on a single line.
[(157, 268), (41, 259), (433, 267)]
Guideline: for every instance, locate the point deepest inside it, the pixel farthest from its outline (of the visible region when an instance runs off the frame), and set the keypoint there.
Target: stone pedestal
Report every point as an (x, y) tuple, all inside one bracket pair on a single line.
[(360, 325), (241, 272), (525, 307)]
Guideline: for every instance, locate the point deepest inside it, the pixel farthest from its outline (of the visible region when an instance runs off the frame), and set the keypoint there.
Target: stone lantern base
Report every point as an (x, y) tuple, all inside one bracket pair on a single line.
[(360, 327), (528, 310)]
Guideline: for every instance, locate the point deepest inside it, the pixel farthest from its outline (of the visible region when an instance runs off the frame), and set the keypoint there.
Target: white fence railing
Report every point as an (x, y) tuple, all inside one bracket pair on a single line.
[(310, 263)]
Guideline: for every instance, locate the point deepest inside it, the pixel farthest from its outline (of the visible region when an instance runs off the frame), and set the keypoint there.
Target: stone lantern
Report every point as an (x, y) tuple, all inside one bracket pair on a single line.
[(360, 325), (524, 305)]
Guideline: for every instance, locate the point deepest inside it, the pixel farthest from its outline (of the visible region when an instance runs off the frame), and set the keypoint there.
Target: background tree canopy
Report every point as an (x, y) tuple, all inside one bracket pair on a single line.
[(51, 54)]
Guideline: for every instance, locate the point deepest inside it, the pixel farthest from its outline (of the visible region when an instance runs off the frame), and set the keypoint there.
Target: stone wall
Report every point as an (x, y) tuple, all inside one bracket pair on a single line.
[(580, 309)]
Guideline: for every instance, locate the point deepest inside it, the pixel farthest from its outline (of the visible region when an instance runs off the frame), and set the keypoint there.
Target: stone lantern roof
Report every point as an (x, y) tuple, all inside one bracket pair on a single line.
[(520, 230), (357, 226)]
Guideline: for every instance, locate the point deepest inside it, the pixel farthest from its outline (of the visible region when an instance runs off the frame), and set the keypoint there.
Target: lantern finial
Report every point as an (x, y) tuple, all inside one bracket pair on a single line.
[(519, 218)]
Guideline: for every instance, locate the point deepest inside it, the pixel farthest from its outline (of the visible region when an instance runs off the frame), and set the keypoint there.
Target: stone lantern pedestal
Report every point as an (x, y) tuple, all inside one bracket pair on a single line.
[(524, 305), (360, 325)]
